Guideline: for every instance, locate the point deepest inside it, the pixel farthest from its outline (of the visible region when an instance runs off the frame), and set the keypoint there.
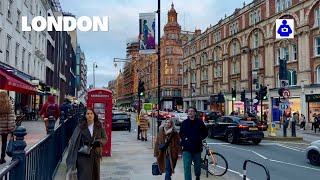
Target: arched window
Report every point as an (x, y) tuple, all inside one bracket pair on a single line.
[(193, 63), (291, 77)]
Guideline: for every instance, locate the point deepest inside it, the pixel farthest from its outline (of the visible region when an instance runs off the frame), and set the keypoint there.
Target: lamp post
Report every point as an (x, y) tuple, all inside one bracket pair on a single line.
[(94, 66)]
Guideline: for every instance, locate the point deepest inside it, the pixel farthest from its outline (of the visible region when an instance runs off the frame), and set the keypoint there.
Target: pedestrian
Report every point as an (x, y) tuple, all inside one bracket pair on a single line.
[(265, 117), (7, 122), (167, 149), (139, 129), (144, 124), (317, 123), (85, 147), (50, 108), (192, 132), (303, 122), (66, 107), (293, 124), (313, 120)]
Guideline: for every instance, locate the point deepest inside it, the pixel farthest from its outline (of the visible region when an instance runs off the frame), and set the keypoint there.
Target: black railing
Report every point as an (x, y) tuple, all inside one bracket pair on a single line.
[(42, 160), (245, 169)]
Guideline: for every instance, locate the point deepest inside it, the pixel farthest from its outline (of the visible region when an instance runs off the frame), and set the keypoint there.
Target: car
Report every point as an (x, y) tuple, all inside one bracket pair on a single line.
[(313, 153), (149, 112), (121, 120), (207, 116), (234, 128), (179, 118)]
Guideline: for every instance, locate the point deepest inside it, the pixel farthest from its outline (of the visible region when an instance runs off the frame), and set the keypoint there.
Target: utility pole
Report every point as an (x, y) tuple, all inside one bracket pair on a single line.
[(94, 65), (159, 66)]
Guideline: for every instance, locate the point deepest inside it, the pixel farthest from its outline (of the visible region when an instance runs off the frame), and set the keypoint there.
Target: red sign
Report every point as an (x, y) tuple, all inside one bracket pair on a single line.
[(286, 93), (101, 102)]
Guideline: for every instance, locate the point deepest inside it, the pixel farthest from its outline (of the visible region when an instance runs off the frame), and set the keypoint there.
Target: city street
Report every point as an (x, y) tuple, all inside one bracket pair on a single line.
[(281, 158)]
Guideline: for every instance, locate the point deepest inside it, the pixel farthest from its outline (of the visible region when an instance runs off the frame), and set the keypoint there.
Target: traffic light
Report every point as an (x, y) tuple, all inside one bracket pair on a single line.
[(243, 96), (234, 94), (264, 92), (141, 88), (280, 92), (282, 69)]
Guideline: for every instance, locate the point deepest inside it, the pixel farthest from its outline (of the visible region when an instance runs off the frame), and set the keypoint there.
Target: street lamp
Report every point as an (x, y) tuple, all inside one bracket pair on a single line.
[(94, 66)]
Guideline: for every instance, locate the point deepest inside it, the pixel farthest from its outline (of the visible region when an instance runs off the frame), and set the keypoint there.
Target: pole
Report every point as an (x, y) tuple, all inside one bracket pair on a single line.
[(159, 65), (191, 93), (94, 78), (232, 105), (251, 107), (260, 94)]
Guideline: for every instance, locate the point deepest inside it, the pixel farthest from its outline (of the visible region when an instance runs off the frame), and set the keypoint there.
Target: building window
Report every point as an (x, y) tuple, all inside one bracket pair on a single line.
[(255, 40), (16, 54), (318, 75), (317, 17), (173, 36), (216, 72), (234, 69), (180, 70), (283, 5), (180, 61), (220, 71), (167, 71), (18, 20), (180, 81), (286, 53), (292, 77), (278, 55), (22, 58), (9, 15), (317, 46), (234, 48), (8, 48), (256, 62), (216, 55), (294, 52), (193, 63), (235, 85)]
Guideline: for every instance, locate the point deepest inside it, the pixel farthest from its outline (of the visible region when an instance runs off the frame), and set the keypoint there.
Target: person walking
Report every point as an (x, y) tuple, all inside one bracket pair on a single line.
[(192, 132), (303, 122), (144, 124), (50, 108), (293, 124), (139, 130), (85, 147), (66, 107), (7, 122), (167, 149)]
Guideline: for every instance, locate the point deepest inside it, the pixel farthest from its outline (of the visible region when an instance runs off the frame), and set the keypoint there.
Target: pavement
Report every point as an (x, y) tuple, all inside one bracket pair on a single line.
[(131, 160)]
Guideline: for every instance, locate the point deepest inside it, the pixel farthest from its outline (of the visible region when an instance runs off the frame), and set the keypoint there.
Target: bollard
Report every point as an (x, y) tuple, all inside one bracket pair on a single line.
[(62, 117), (19, 171), (51, 125)]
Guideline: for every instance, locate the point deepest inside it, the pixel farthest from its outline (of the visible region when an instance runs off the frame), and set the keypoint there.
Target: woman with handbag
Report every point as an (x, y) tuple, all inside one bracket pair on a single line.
[(167, 149), (144, 124), (7, 122), (85, 148)]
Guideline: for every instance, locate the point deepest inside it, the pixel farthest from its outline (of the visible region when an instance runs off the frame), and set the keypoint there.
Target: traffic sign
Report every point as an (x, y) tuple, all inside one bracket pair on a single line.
[(147, 106), (286, 93), (284, 83), (283, 106)]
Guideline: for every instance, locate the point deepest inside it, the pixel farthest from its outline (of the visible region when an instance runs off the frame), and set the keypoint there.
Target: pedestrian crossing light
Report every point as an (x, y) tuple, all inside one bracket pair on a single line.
[(264, 92), (141, 88)]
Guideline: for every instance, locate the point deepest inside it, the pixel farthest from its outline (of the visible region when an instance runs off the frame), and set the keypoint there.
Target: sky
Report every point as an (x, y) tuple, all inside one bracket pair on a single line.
[(103, 47)]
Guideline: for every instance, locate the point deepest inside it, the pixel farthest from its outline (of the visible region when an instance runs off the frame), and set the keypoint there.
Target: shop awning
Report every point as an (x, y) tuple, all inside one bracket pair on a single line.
[(11, 82)]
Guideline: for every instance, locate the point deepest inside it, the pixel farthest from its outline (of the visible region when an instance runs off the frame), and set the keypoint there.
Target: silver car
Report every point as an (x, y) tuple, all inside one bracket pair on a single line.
[(313, 153), (179, 118)]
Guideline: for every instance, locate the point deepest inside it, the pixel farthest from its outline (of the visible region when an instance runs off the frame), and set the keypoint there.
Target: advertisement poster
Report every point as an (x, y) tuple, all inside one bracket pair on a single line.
[(147, 26)]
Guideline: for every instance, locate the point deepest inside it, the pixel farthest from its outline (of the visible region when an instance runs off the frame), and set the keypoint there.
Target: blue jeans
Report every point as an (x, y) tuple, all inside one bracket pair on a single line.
[(187, 160), (168, 168)]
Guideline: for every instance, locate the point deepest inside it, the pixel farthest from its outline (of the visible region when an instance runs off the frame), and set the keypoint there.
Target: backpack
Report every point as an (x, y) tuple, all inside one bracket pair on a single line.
[(51, 110)]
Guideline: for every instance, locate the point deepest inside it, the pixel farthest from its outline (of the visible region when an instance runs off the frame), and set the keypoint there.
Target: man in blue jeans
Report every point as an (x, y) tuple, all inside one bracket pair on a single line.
[(192, 132)]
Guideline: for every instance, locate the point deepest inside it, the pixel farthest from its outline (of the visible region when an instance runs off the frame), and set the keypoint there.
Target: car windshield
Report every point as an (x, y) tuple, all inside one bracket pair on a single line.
[(119, 116)]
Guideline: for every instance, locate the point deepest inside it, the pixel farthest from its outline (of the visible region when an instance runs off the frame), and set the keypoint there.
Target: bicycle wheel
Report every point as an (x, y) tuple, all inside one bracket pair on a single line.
[(217, 166)]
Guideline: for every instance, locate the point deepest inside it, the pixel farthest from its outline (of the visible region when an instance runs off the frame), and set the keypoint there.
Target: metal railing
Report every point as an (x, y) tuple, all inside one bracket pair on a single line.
[(42, 160), (245, 169)]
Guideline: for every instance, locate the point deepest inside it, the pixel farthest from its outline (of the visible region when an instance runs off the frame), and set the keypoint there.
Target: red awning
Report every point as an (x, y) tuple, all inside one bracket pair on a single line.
[(12, 82)]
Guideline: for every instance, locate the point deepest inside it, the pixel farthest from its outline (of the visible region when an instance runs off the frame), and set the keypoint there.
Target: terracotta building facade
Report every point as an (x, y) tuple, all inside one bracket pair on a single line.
[(241, 52)]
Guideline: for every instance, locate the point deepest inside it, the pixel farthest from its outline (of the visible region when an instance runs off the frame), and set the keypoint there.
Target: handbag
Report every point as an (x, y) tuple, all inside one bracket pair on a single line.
[(10, 146), (155, 169), (85, 150)]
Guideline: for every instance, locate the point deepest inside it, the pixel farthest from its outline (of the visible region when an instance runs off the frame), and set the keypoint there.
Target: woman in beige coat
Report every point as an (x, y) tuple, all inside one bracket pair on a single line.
[(7, 122), (144, 124)]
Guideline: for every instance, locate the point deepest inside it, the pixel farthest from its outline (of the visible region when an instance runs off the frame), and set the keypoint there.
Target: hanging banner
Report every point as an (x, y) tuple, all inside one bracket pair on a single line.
[(147, 27)]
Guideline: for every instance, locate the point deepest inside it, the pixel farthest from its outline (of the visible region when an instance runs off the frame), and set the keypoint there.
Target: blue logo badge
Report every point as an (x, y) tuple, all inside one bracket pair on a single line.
[(285, 28)]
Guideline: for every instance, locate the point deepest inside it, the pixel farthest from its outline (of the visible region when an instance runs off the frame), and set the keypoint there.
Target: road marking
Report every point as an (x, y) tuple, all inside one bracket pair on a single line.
[(291, 148), (236, 172), (294, 165), (217, 143), (263, 157)]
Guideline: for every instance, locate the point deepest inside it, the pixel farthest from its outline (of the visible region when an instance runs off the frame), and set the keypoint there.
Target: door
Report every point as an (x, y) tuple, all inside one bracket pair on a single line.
[(217, 127)]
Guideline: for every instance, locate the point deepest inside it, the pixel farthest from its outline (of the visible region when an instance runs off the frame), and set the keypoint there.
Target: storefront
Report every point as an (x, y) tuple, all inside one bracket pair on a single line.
[(294, 105), (313, 105), (215, 105)]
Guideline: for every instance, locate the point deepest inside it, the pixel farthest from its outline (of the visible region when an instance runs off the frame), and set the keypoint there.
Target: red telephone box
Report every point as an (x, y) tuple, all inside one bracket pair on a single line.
[(101, 101)]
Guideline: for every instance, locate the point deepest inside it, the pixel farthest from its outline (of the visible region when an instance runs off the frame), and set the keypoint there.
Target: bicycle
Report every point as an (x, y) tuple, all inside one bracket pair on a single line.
[(217, 165)]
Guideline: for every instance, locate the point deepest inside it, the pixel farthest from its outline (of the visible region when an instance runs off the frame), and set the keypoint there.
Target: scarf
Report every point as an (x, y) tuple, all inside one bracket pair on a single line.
[(168, 131)]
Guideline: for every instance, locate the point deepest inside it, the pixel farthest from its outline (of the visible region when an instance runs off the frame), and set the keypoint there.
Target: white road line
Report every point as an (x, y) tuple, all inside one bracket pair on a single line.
[(217, 143), (294, 143), (263, 157), (236, 172), (291, 148), (306, 167)]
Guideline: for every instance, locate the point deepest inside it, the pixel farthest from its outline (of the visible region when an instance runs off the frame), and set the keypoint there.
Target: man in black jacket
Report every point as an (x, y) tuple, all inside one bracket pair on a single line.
[(192, 132)]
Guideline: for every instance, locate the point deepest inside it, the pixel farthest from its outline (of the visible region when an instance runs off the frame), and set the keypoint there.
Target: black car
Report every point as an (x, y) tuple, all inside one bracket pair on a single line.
[(234, 128), (207, 116), (121, 120)]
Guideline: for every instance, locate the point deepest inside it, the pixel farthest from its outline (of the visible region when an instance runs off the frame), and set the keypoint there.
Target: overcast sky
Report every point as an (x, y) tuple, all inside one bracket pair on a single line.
[(102, 47)]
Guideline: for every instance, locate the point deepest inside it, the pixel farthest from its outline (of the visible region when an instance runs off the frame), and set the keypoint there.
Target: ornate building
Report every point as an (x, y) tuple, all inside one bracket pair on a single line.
[(242, 52)]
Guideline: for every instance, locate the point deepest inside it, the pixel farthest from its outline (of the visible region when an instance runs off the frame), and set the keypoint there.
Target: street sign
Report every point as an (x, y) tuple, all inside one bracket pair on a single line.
[(147, 106), (286, 93), (284, 100), (284, 83), (283, 106)]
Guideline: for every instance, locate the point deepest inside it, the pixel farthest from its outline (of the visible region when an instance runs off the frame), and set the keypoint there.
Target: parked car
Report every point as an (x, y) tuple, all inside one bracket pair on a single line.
[(208, 116), (121, 120), (234, 128), (149, 112), (163, 114), (313, 153), (179, 118)]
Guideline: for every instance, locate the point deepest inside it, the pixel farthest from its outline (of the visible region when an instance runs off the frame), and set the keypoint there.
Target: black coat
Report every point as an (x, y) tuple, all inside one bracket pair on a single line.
[(192, 132)]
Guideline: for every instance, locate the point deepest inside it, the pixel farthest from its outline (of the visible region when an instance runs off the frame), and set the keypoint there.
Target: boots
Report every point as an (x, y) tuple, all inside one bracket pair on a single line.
[(2, 161), (198, 178)]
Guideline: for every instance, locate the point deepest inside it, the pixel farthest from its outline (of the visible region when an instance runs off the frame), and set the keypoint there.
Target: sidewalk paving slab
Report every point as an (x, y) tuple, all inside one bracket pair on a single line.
[(131, 160)]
